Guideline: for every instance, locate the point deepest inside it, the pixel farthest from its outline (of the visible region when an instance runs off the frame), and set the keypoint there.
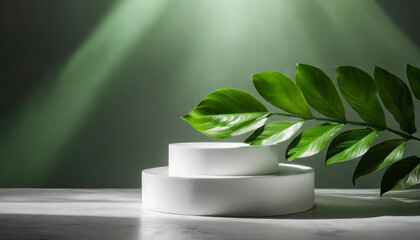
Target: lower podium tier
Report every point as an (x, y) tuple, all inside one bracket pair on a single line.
[(289, 191)]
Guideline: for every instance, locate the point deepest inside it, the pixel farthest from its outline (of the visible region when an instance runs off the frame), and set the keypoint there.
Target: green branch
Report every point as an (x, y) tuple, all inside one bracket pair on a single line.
[(402, 134), (230, 112)]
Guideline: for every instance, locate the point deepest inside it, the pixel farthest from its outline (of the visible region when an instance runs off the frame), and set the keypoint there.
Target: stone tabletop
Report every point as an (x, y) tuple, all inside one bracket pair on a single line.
[(118, 214)]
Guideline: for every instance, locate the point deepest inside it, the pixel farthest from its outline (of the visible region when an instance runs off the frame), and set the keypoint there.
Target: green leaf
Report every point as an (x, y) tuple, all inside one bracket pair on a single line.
[(359, 90), (396, 97), (401, 175), (413, 75), (350, 145), (279, 90), (227, 112), (274, 133), (312, 141), (379, 156), (319, 91)]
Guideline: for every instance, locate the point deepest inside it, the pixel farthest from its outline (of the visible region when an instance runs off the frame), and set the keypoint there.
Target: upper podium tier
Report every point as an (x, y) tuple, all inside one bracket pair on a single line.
[(223, 159)]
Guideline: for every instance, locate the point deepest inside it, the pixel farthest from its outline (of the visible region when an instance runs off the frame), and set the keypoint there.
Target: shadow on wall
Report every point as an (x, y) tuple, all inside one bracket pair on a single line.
[(109, 118), (405, 15)]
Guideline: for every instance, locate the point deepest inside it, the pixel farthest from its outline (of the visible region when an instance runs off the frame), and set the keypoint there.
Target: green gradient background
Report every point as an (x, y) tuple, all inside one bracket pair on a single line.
[(92, 91)]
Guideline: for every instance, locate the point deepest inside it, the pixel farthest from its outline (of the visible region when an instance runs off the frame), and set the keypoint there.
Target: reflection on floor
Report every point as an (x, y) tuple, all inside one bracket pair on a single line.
[(117, 214)]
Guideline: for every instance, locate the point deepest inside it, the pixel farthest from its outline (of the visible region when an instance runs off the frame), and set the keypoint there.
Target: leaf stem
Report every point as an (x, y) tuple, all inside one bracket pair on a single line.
[(402, 134)]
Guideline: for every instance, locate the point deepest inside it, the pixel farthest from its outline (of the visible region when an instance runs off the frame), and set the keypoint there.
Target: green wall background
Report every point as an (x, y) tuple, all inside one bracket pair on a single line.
[(91, 91)]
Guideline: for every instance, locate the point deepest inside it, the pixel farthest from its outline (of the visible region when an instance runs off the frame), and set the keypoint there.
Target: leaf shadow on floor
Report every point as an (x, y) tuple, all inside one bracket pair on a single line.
[(360, 205)]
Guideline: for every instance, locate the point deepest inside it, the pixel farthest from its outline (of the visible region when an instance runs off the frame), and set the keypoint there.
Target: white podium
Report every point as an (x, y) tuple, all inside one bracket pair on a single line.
[(196, 182)]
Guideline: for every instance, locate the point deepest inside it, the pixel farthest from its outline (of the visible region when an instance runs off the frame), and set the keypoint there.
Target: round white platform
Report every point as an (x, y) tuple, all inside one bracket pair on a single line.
[(289, 191), (223, 158)]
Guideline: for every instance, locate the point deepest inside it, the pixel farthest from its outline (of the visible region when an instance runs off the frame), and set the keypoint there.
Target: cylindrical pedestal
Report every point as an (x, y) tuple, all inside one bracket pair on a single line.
[(223, 158), (289, 191)]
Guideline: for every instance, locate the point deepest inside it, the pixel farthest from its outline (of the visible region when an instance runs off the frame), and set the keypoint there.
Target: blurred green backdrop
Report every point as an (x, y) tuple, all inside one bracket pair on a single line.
[(91, 91)]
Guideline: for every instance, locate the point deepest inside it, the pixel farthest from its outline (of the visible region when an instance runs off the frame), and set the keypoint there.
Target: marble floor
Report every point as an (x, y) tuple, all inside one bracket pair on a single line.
[(118, 214)]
